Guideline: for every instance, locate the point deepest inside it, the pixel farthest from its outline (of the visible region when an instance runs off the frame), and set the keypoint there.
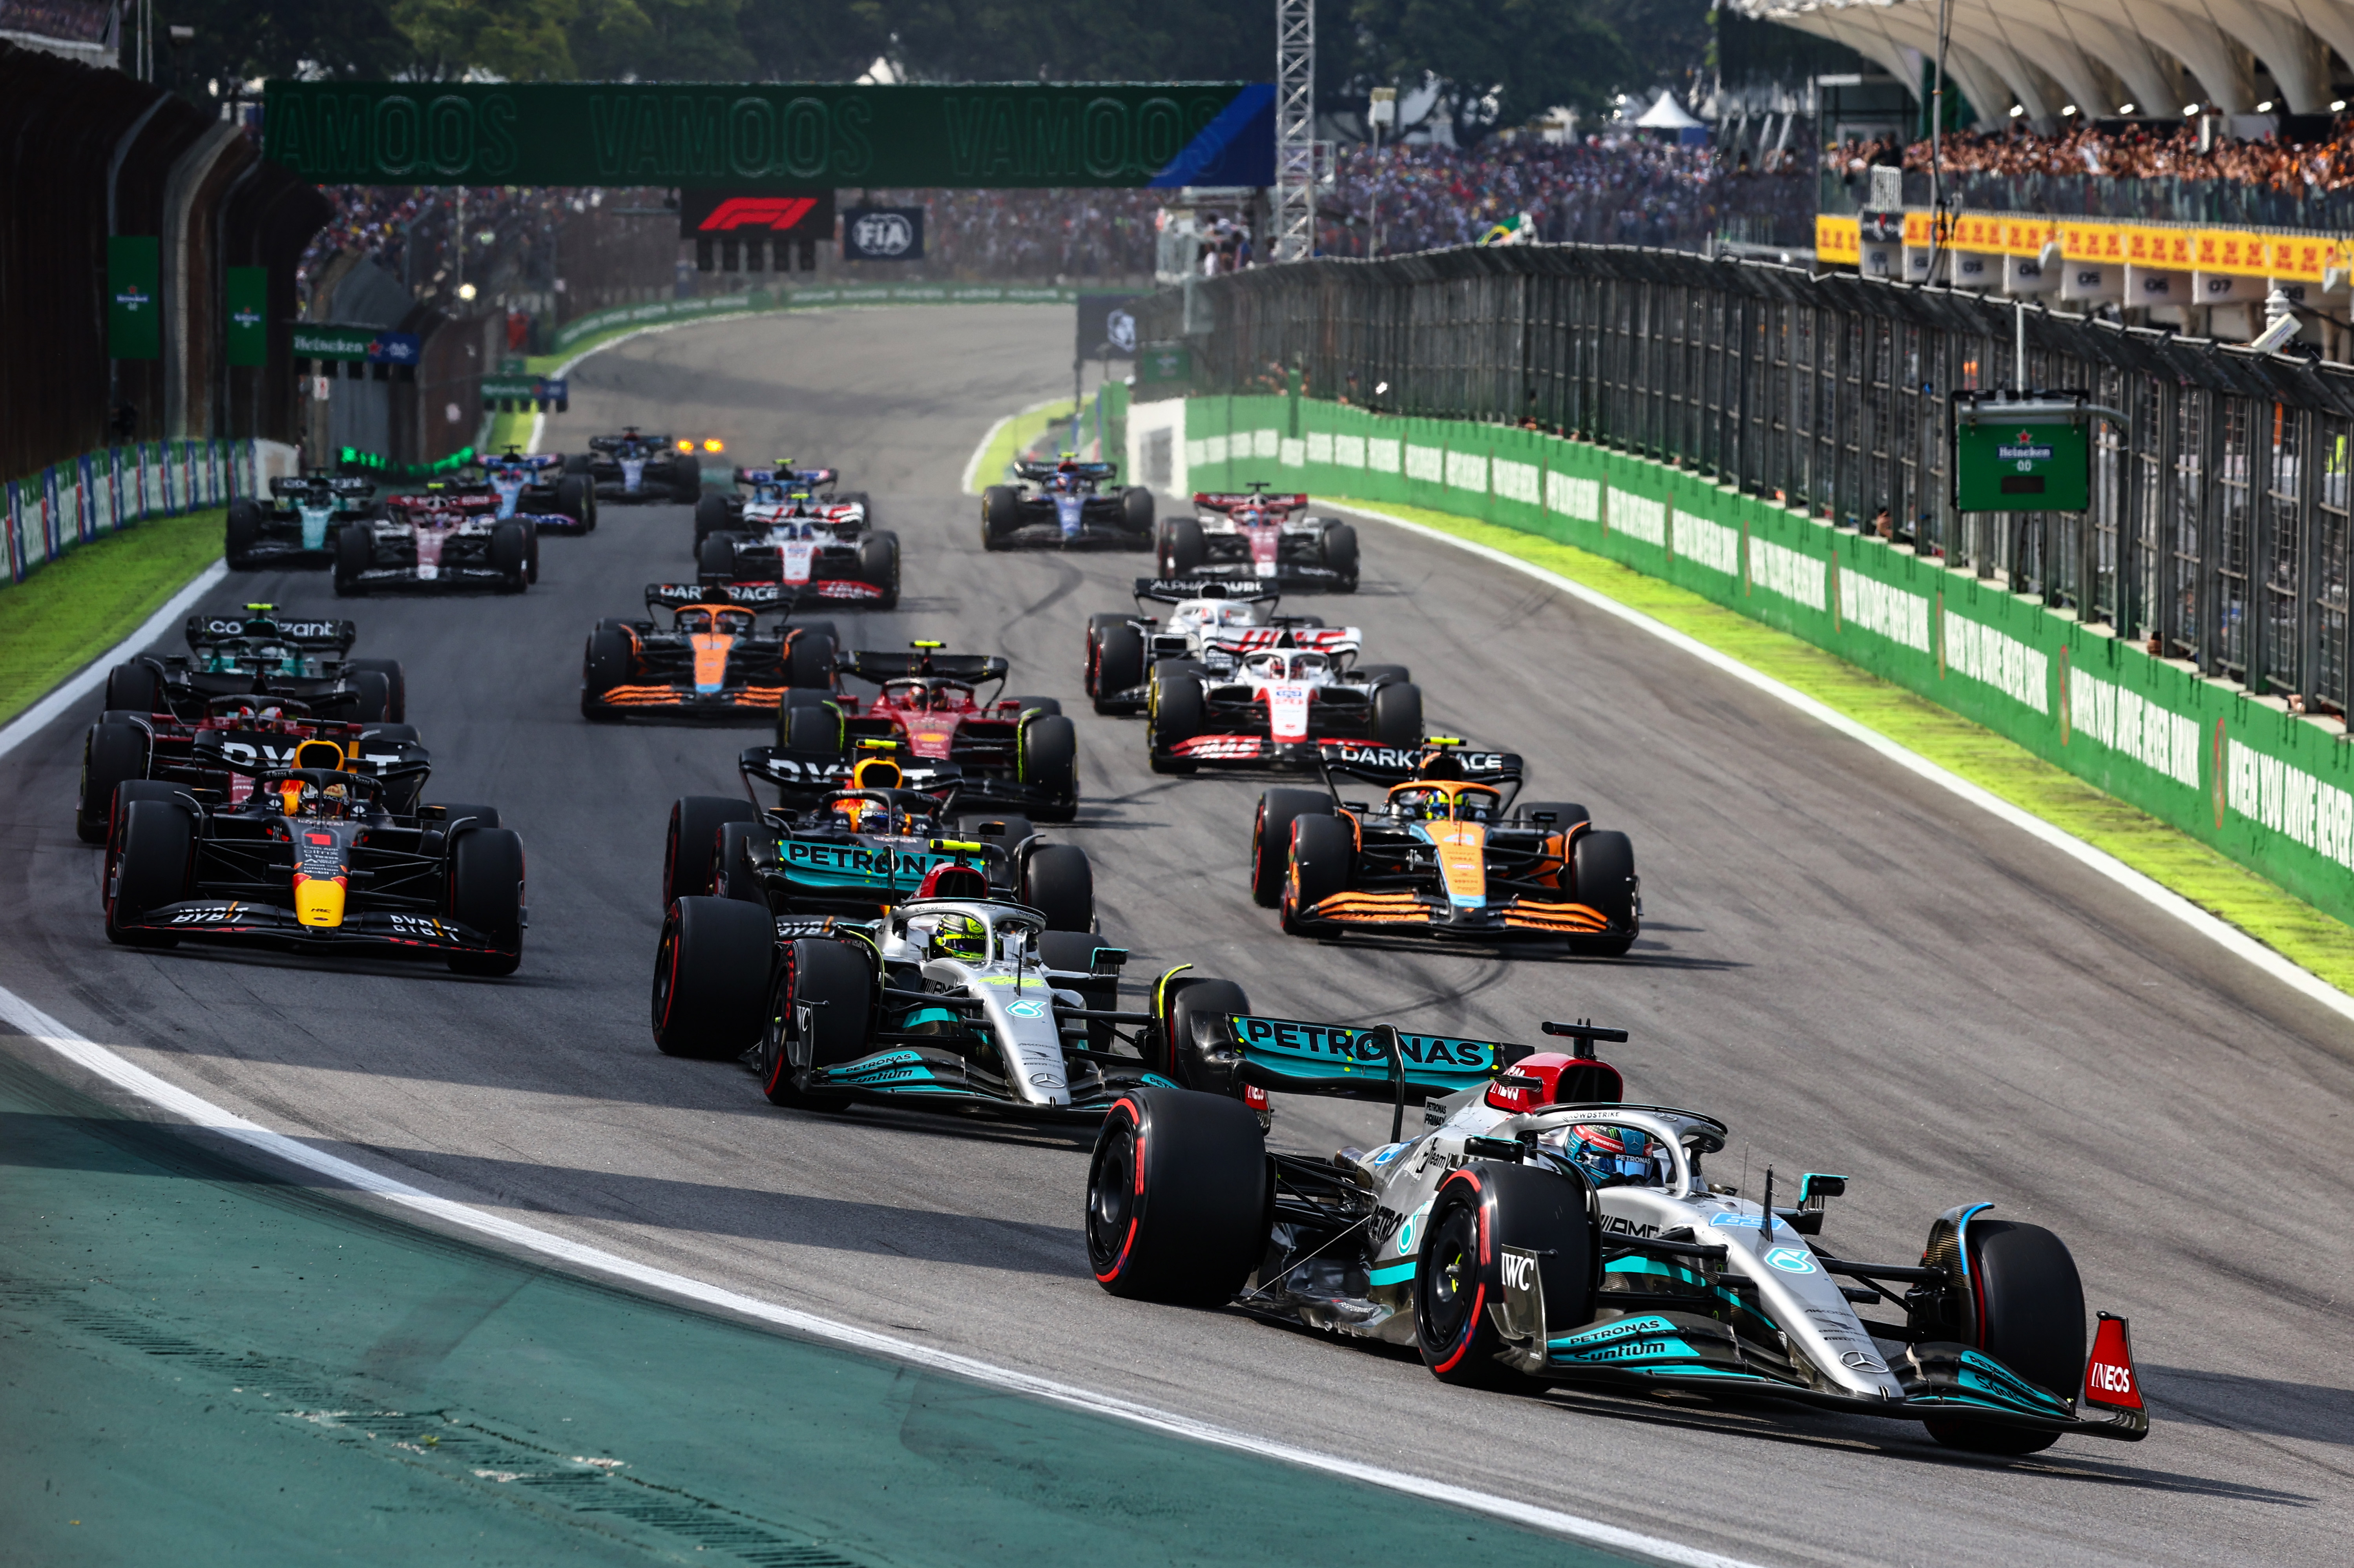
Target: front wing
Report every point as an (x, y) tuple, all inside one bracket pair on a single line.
[(750, 703), (235, 920), (1432, 913), (935, 1079)]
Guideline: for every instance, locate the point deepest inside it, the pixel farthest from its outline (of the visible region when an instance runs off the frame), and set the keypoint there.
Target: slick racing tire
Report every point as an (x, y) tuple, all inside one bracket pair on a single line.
[(112, 754), (1135, 510), (1071, 952), (1177, 1197), (878, 563), (354, 554), (2029, 1307), (1059, 883), (1378, 674), (1008, 831), (396, 707), (710, 517), (1199, 1051), (579, 463), (531, 548), (810, 659), (1050, 765), (134, 687), (1397, 714), (241, 533), (1182, 549), (511, 554), (1341, 553), (604, 665), (375, 693), (1000, 513), (1115, 662), (1174, 710), (486, 892), (1036, 704), (711, 977), (148, 862), (1478, 1213), (1566, 814), (811, 734), (691, 847), (1270, 846), (1324, 853), (1602, 871), (575, 500), (828, 983), (715, 557), (732, 874)]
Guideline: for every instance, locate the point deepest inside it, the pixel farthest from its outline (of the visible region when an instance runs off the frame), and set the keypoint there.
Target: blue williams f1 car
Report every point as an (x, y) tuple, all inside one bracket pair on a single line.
[(1539, 1229)]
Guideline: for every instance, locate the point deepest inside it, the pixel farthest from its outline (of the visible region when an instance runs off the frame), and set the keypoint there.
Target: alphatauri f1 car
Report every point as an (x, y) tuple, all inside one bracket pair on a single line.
[(1447, 852), (540, 486), (1537, 1229), (438, 540), (299, 527), (712, 662), (314, 859), (1008, 753), (635, 466), (1070, 510), (954, 999), (1256, 536)]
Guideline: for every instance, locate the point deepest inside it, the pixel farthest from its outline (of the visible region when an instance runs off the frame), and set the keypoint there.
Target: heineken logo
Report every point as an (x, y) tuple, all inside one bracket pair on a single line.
[(248, 318), (133, 297)]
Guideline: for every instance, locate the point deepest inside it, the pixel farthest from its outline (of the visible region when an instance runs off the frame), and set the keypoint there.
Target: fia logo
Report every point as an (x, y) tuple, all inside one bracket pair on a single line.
[(883, 234)]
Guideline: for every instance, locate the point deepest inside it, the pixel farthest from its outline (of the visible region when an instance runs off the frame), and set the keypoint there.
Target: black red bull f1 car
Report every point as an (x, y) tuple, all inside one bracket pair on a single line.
[(1538, 1229)]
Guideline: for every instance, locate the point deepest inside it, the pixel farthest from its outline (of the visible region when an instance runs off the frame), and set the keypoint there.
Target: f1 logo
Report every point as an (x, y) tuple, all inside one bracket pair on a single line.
[(758, 212)]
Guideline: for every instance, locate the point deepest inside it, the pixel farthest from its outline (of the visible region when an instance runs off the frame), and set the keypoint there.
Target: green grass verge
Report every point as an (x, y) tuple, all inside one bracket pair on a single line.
[(2222, 886), (1016, 437), (81, 605)]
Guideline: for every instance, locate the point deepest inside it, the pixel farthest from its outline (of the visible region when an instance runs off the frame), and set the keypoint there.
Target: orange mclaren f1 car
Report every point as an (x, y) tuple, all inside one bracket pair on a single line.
[(713, 661), (1446, 852)]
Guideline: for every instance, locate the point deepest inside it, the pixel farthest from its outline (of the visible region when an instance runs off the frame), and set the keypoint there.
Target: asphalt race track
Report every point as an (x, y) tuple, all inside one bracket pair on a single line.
[(1857, 972)]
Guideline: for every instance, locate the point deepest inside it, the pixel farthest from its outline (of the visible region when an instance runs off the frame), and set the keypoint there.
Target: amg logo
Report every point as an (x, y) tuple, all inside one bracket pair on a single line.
[(1627, 1227)]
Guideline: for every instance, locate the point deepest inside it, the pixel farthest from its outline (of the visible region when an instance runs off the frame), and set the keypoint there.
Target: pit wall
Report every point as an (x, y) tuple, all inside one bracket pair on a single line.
[(2272, 790)]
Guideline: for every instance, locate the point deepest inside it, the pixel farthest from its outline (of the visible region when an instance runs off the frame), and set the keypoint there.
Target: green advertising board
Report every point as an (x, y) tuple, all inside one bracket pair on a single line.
[(246, 295), (752, 136), (134, 311), (2026, 460), (1163, 364)]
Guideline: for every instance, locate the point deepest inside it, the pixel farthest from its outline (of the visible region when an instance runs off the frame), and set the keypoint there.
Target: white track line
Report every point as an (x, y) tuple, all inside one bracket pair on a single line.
[(199, 1112), (2230, 937), (46, 712), (972, 466)]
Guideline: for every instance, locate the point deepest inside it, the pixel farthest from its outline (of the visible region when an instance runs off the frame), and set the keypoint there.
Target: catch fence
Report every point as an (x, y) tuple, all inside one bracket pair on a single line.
[(2219, 529)]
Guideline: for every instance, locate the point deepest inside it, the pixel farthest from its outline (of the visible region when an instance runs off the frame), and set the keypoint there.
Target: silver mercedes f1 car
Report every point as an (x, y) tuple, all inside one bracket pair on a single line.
[(1537, 1228)]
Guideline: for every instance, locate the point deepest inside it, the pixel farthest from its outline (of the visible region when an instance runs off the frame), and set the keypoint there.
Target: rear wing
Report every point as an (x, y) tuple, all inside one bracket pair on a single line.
[(1288, 1056), (1040, 471), (743, 596), (1177, 591), (540, 461), (203, 630), (868, 665), (1402, 764), (800, 775), (815, 478), (344, 487), (615, 443), (1225, 501), (1260, 638)]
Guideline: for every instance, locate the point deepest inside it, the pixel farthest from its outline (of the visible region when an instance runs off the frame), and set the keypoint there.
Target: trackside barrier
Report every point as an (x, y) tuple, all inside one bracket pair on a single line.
[(763, 300), (103, 491), (2272, 789)]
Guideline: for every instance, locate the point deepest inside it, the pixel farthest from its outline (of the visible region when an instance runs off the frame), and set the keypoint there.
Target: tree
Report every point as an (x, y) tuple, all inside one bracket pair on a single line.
[(517, 40), (1501, 63)]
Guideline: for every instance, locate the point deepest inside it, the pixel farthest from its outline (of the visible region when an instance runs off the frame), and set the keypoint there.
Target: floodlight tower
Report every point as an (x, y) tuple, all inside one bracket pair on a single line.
[(1295, 130)]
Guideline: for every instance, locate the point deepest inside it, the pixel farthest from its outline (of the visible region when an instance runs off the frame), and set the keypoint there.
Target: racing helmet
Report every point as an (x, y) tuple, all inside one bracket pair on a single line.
[(855, 812), (959, 936), (1617, 1156)]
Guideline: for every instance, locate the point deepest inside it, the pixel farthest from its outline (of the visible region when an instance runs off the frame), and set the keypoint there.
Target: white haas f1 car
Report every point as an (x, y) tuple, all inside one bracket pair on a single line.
[(816, 547), (1255, 692), (1537, 1229), (1210, 623), (438, 540), (1256, 536)]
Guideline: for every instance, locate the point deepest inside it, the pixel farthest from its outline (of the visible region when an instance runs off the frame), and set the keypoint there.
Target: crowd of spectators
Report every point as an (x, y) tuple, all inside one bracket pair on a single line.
[(2133, 152), (1612, 190), (81, 21), (1028, 235), (507, 241)]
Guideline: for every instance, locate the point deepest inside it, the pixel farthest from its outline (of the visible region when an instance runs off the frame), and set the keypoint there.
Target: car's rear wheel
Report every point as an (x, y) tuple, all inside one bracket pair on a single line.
[(148, 863), (374, 694), (573, 501), (511, 555), (691, 845), (354, 554), (711, 515), (1376, 675), (396, 707), (1602, 872), (135, 687), (1397, 714), (809, 659), (811, 734), (1177, 1197), (878, 563), (1000, 513), (1270, 847), (2028, 1306), (1036, 704), (1459, 1276), (820, 1014), (1324, 853), (1183, 549), (486, 893), (711, 977), (1059, 883), (1117, 664), (112, 754), (1136, 509), (716, 556), (1340, 552), (1050, 765)]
